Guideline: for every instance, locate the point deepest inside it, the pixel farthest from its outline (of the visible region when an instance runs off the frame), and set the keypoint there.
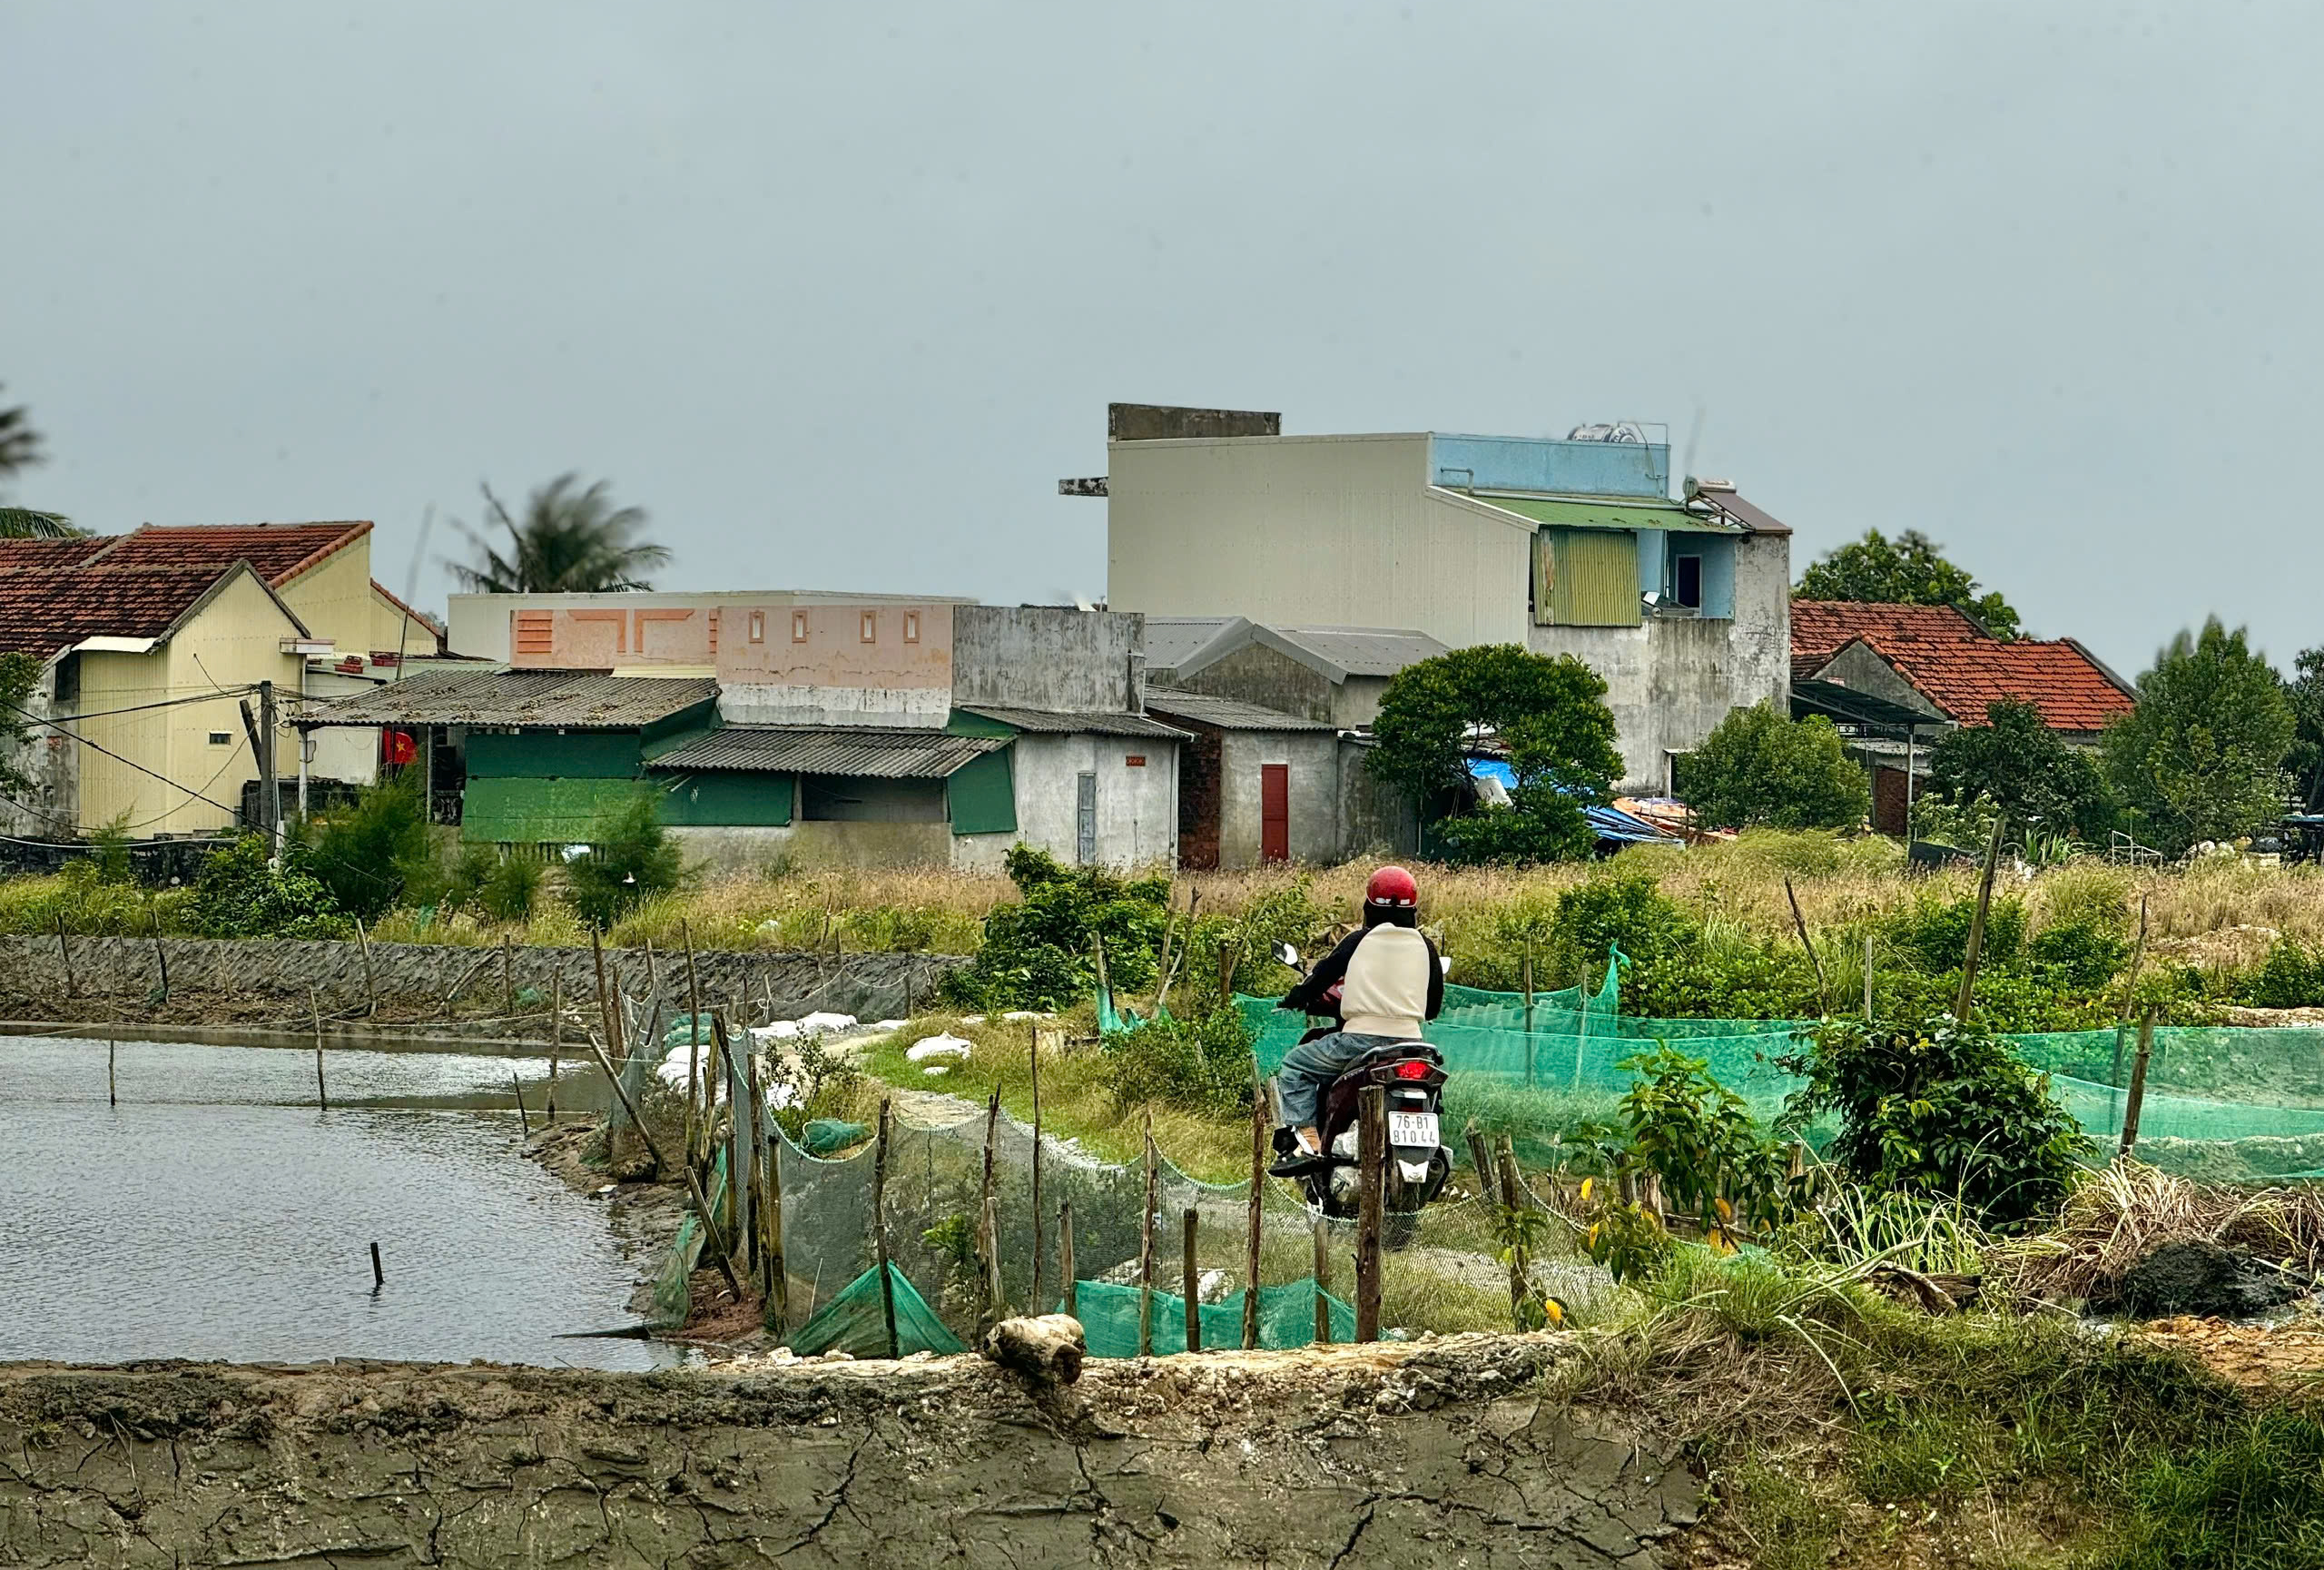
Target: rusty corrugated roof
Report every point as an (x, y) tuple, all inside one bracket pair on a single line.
[(561, 699), (865, 751)]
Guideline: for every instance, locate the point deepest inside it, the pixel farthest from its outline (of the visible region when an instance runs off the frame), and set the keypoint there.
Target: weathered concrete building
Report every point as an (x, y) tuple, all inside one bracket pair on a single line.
[(1255, 785), (1565, 547), (1334, 674)]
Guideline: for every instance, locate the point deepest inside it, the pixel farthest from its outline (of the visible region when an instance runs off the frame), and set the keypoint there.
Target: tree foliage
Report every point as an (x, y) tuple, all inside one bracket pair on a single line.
[(2025, 769), (1910, 569), (1757, 769), (2202, 756), (242, 892), (1547, 711), (20, 444), (571, 540), (1041, 951), (376, 852), (636, 859), (2306, 693)]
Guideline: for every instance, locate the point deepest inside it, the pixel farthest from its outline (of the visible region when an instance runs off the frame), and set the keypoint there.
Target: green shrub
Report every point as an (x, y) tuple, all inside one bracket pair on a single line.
[(1941, 1109), (1040, 952), (2292, 978), (1620, 905), (376, 853), (1199, 1062), (239, 895), (82, 899), (635, 861), (109, 851), (2077, 955), (513, 887), (1760, 768), (1933, 934), (1699, 1138)]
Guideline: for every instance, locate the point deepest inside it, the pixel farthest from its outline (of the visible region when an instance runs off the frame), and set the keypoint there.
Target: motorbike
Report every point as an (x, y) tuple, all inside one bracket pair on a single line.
[(1418, 1163)]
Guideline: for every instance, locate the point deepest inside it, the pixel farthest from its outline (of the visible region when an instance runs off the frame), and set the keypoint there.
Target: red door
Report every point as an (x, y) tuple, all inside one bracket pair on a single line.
[(1274, 812)]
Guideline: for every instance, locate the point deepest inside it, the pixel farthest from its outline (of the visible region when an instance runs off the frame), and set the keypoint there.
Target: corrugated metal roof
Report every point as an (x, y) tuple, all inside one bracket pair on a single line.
[(1755, 519), (1170, 639), (566, 700), (862, 751), (1055, 722), (1225, 713), (1567, 512), (1364, 650)]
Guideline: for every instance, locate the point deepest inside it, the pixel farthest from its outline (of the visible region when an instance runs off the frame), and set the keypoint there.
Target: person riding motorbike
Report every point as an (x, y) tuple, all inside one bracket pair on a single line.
[(1381, 982)]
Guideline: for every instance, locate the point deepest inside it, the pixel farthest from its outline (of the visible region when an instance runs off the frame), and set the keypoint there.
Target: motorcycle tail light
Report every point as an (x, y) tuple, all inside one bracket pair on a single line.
[(1412, 1069)]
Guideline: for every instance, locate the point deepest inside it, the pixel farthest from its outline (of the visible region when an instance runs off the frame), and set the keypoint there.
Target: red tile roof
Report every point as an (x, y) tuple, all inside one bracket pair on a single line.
[(2072, 690), (278, 551), (42, 613), (1819, 628)]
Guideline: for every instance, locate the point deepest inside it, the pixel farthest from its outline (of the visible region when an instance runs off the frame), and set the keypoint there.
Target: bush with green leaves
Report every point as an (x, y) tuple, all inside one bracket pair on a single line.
[(1699, 1138), (2202, 756), (1200, 1062), (500, 885), (1943, 1109), (1621, 903), (1040, 952), (2292, 977), (375, 854), (1759, 768), (240, 894), (636, 860), (1933, 934), (2077, 955), (2015, 761)]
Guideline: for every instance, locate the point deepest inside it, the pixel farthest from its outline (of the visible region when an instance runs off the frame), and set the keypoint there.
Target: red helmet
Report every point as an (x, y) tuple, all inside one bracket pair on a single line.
[(1392, 888)]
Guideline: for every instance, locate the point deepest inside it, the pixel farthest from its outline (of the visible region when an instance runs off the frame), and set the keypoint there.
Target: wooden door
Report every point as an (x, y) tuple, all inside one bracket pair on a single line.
[(1274, 812)]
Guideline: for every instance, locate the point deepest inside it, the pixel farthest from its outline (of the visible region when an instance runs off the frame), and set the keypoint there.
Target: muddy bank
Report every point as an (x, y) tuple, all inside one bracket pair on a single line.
[(214, 981), (1433, 1453)]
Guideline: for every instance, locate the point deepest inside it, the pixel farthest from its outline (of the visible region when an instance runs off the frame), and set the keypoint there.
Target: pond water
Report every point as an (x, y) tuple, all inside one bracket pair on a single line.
[(218, 1212)]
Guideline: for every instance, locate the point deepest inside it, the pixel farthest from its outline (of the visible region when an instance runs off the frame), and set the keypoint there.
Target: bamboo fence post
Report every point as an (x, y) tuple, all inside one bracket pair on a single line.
[(2138, 958), (508, 977), (1977, 927), (1800, 922), (718, 1246), (1072, 1294), (1190, 1283), (1372, 1154), (1867, 975), (1146, 1245), (64, 955), (556, 1033), (736, 1190), (160, 955), (113, 1091), (880, 1220), (2138, 1084), (694, 1043), (1036, 1304), (989, 1217), (517, 1089), (1520, 1266), (778, 1277), (1322, 1267), (755, 1151), (315, 1009), (370, 982), (1260, 1122), (1488, 1183)]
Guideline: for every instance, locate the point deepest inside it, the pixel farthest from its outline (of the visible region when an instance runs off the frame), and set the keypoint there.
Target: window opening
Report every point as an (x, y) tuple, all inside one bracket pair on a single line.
[(1686, 582), (870, 625)]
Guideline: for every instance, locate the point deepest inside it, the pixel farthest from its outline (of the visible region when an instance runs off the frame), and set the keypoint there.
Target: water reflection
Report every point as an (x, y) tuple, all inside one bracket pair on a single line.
[(216, 1212)]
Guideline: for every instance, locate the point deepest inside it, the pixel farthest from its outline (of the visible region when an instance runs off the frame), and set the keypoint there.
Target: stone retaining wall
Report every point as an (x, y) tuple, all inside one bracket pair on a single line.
[(873, 986)]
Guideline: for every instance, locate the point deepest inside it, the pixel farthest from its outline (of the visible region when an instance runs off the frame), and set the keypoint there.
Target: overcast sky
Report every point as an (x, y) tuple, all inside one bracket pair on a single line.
[(839, 293)]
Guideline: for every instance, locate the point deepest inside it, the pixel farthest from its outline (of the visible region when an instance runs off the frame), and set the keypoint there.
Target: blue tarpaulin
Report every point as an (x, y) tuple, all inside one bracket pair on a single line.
[(1610, 823)]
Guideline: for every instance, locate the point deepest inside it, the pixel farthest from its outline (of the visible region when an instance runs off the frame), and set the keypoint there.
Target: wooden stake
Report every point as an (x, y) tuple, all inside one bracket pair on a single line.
[(879, 1222), (694, 1041), (315, 1009), (160, 955), (64, 954), (778, 1278), (556, 1033), (2138, 1084), (1867, 975), (507, 978), (1036, 1304), (1260, 1122), (517, 1089), (1190, 1284), (1977, 927), (1145, 1244), (1526, 980), (756, 1150), (379, 1275), (1372, 1156), (1823, 993), (1322, 1267), (1488, 1183), (1520, 1266), (989, 1217), (718, 1246), (113, 1093), (736, 1115), (1065, 1259), (370, 982)]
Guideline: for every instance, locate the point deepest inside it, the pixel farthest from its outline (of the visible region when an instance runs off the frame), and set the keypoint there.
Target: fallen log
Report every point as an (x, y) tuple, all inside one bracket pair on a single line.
[(1050, 1348)]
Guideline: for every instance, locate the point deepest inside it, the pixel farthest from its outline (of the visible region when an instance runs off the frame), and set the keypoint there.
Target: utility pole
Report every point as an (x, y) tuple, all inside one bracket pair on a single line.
[(269, 785)]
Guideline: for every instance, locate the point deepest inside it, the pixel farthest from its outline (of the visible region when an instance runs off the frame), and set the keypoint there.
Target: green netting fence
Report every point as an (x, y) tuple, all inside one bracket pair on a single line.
[(1109, 1314)]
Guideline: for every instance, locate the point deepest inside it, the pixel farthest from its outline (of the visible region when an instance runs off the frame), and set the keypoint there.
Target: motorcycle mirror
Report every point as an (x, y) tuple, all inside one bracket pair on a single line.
[(1285, 954)]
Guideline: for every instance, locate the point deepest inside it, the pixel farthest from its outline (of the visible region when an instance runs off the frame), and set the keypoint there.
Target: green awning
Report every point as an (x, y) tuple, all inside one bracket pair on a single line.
[(1564, 512)]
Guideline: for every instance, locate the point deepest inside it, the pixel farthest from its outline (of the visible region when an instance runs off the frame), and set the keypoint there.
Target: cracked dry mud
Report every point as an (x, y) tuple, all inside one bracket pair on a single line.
[(1438, 1453)]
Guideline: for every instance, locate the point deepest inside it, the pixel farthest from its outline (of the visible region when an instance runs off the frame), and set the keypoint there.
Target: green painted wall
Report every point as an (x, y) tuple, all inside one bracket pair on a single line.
[(715, 799), (980, 796), (543, 811)]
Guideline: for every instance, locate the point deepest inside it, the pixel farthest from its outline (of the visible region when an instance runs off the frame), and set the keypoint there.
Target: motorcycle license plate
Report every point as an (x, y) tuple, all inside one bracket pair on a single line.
[(1409, 1129)]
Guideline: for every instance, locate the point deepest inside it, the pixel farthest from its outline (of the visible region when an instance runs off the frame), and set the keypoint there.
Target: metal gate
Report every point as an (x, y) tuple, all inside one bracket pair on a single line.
[(1085, 820)]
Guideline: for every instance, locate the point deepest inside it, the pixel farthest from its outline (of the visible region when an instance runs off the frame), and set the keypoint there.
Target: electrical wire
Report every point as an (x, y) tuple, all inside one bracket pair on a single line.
[(132, 762), (144, 708)]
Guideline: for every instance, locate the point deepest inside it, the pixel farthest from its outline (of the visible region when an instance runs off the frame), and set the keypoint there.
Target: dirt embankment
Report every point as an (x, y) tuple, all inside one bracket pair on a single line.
[(1437, 1452)]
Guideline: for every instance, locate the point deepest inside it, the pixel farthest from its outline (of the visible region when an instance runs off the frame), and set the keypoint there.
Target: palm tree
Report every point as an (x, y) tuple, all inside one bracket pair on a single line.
[(20, 448), (571, 541)]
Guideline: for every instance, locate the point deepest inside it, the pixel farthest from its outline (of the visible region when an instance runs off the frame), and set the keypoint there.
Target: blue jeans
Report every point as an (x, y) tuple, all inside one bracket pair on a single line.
[(1308, 1071)]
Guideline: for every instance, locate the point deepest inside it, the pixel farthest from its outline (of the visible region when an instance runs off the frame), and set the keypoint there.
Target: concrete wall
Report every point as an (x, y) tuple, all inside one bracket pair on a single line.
[(1376, 818), (478, 623), (1269, 677), (1339, 530), (1137, 811), (50, 807), (1046, 656), (1313, 757), (1859, 669)]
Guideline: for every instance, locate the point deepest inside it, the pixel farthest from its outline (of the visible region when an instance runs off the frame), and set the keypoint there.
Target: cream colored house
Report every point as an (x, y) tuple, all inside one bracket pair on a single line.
[(150, 643)]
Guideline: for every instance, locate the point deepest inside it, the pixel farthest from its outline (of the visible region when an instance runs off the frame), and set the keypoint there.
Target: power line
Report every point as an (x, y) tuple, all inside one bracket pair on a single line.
[(221, 693), (132, 762)]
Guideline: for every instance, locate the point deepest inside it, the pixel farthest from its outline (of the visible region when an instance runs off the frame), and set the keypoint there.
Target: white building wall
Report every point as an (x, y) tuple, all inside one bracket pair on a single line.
[(1137, 806), (1327, 531)]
